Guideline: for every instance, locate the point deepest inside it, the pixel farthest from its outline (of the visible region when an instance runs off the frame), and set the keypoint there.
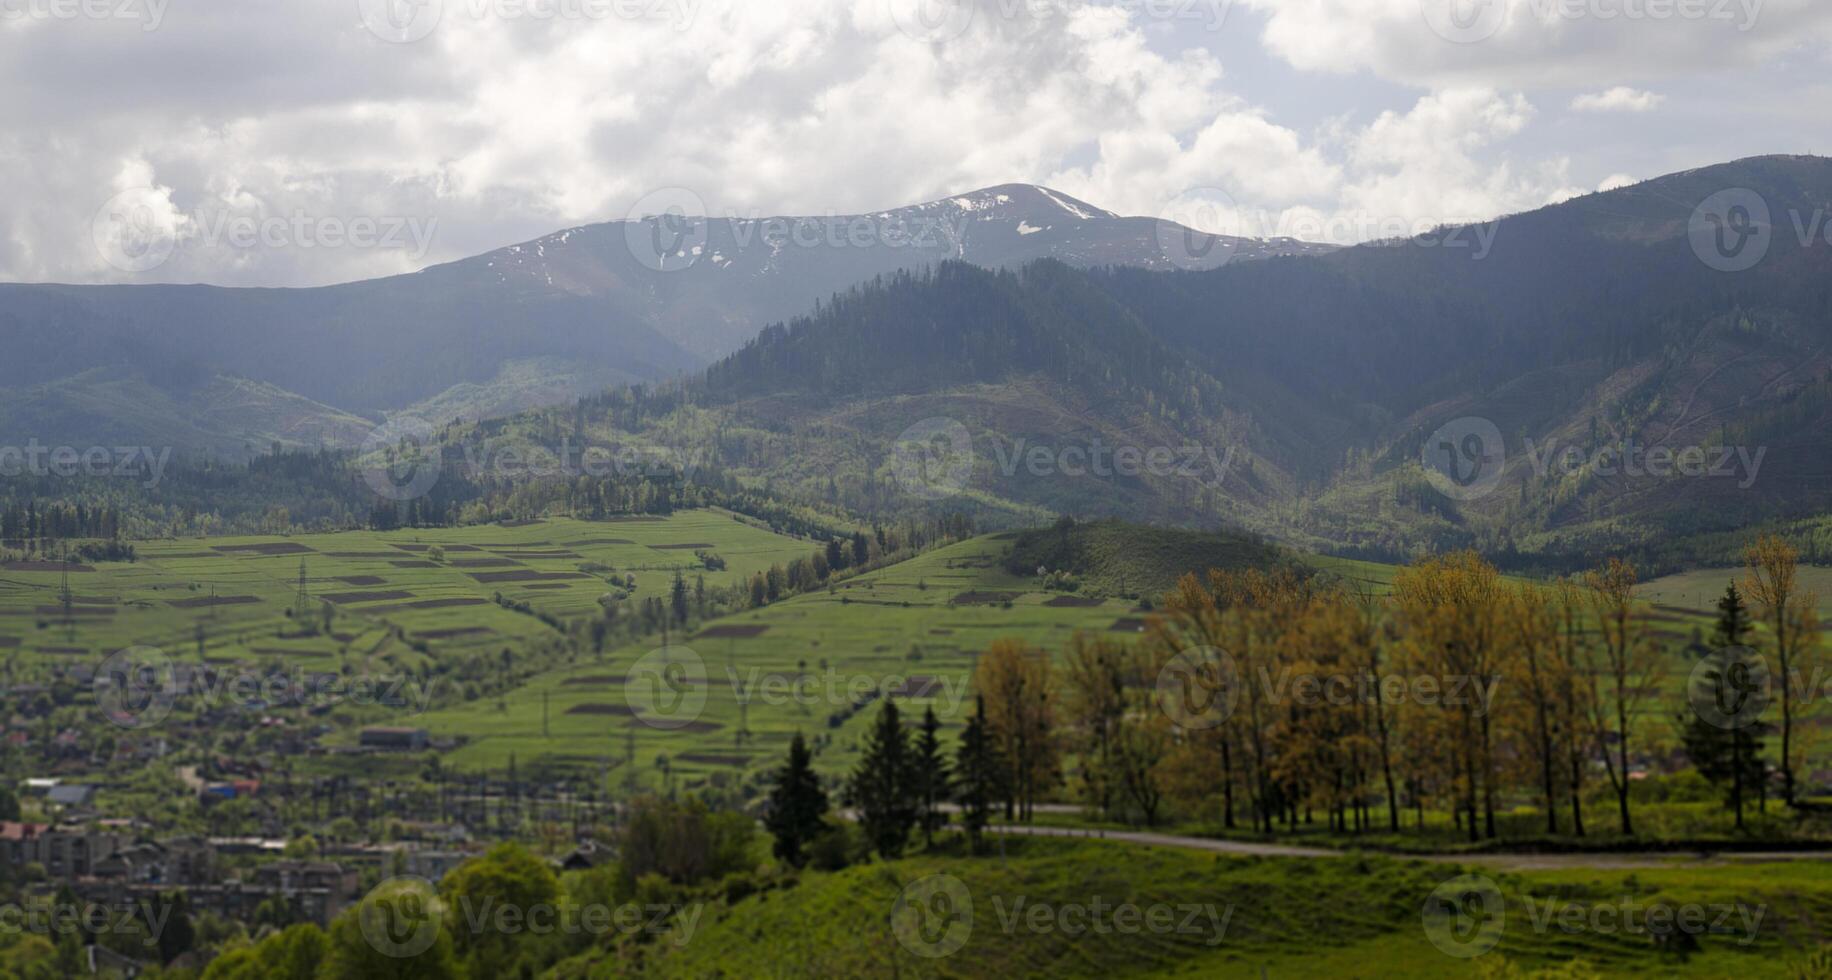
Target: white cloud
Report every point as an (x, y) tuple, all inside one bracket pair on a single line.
[(1401, 174), (1616, 182), (501, 128), (1618, 99), (1533, 43)]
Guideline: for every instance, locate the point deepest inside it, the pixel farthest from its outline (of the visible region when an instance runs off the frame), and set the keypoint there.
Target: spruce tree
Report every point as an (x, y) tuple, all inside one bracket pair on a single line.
[(1733, 623), (932, 778), (678, 597), (883, 786), (797, 804), (979, 774), (1728, 755)]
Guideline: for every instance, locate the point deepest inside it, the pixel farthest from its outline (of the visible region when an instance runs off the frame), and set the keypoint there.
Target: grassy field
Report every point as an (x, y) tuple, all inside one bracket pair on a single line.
[(1370, 576), (239, 590), (407, 619), (1033, 912), (919, 625), (1700, 589)]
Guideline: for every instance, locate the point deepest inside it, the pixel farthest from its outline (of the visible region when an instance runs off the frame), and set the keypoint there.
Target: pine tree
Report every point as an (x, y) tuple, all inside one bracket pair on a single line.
[(882, 788), (979, 774), (797, 804), (1733, 623), (932, 778), (678, 597), (1728, 755)]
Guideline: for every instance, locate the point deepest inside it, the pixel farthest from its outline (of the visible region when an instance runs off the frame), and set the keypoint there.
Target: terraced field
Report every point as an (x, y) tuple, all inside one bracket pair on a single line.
[(801, 664), (239, 591), (414, 617)]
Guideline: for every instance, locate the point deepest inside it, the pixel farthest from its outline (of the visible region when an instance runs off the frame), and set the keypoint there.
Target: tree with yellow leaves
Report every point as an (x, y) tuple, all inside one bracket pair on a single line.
[(1534, 668), (1573, 692), (1792, 617), (1095, 699), (1201, 614), (1450, 614), (1122, 735), (1631, 666), (1016, 680)]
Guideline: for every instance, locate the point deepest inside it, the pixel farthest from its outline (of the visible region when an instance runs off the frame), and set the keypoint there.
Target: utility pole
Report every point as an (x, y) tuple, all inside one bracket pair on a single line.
[(302, 605)]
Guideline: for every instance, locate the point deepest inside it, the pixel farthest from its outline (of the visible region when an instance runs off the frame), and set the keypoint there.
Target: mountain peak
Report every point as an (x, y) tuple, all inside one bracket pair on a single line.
[(1020, 201)]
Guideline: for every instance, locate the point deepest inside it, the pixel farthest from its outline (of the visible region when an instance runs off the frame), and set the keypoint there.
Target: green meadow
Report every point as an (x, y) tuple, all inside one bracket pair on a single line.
[(1699, 589), (1037, 910), (240, 590), (915, 627), (407, 603)]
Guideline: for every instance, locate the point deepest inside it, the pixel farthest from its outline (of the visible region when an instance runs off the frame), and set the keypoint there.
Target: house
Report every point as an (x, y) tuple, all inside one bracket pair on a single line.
[(585, 857), (63, 851), (289, 876), (140, 750), (76, 794), (190, 859), (144, 862), (67, 744), (432, 865), (394, 739), (106, 962), (232, 790)]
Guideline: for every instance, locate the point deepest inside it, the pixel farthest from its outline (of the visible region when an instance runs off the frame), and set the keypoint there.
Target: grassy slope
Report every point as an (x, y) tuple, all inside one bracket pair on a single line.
[(142, 594), (1700, 589), (894, 623), (227, 414), (377, 638), (1289, 918), (1115, 558)]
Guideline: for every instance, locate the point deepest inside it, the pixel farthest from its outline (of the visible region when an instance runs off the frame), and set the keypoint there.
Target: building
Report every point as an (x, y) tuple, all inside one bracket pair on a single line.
[(63, 851), (432, 865), (395, 739), (70, 794)]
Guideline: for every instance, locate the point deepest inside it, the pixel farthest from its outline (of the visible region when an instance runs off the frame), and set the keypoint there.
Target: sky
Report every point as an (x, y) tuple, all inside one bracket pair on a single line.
[(306, 142)]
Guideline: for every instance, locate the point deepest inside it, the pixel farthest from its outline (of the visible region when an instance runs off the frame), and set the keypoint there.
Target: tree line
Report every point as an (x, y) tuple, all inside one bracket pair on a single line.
[(1266, 698)]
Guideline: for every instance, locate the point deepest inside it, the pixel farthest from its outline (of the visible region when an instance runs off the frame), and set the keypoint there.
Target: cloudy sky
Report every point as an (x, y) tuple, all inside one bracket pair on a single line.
[(299, 142)]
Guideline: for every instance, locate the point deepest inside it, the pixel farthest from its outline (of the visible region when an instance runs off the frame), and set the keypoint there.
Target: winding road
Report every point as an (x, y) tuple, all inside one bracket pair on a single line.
[(1601, 860)]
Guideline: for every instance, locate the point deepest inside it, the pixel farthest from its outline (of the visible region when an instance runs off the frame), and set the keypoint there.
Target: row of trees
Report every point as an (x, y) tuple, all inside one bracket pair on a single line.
[(32, 525), (902, 784), (1458, 689)]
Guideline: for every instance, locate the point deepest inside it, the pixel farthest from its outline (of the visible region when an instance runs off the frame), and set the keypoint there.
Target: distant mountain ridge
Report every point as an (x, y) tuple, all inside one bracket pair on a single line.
[(715, 281), (543, 322), (1597, 327)]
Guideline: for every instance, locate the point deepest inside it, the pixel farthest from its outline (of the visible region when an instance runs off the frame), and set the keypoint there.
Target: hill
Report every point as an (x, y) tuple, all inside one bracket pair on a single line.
[(645, 299), (1036, 911), (1116, 558), (1584, 337)]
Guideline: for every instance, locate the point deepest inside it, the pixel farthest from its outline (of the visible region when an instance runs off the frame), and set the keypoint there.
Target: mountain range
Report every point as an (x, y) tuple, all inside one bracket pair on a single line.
[(1630, 381), (1327, 396), (533, 324)]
